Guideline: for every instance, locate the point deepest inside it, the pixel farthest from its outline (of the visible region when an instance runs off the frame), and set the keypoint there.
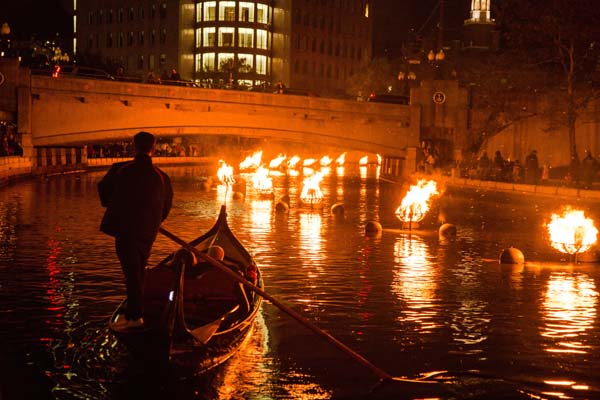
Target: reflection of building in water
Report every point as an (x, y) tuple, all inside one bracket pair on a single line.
[(569, 310), (415, 283)]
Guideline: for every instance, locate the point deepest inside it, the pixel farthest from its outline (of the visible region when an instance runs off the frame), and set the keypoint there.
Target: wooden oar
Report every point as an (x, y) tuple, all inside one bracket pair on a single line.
[(341, 346)]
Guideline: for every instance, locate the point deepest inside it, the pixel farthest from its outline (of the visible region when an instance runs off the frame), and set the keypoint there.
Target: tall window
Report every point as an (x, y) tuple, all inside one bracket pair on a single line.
[(261, 65), (141, 38), (130, 39), (226, 37), (262, 13), (208, 62), (208, 37), (245, 37), (246, 12), (226, 11), (120, 40), (198, 37), (210, 8), (261, 39), (245, 63), (225, 61), (163, 36)]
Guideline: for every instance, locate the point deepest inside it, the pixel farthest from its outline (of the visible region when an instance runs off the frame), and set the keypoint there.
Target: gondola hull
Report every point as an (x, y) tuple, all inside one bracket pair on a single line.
[(195, 315)]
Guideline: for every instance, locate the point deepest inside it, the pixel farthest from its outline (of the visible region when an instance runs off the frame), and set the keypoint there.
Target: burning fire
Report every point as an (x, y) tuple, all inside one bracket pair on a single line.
[(415, 204), (311, 192), (277, 161), (292, 162), (261, 181), (308, 162), (251, 162), (325, 161), (225, 173), (341, 159), (572, 233), (363, 160)]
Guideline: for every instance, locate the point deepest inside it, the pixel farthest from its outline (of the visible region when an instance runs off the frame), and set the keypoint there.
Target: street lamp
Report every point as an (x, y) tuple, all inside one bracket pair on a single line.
[(435, 59)]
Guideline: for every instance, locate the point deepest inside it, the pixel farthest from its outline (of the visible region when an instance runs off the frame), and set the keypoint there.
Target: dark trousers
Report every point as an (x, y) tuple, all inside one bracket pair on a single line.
[(133, 255)]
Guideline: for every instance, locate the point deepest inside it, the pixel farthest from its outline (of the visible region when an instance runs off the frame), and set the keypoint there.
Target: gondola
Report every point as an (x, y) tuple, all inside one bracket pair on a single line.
[(195, 314)]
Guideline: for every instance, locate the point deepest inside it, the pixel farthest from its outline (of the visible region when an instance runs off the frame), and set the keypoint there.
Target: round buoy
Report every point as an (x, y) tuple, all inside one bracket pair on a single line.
[(282, 207), (238, 196), (512, 255), (337, 210), (447, 231), (373, 227)]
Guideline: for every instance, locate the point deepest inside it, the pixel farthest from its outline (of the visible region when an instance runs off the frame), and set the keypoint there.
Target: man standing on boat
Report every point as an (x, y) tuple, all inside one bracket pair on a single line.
[(138, 197)]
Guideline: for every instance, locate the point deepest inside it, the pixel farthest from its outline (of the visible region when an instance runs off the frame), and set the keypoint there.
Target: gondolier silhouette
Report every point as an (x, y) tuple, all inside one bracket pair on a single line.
[(138, 197)]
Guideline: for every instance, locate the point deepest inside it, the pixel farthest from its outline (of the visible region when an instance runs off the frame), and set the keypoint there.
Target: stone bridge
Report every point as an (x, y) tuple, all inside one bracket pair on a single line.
[(76, 112)]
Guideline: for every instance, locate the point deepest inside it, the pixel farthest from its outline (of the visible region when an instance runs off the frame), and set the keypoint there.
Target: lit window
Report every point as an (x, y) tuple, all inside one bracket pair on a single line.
[(226, 37), (208, 37), (261, 64), (262, 13), (209, 10), (245, 63), (198, 62), (226, 11), (198, 37), (208, 62), (225, 61), (246, 12), (261, 39), (245, 37)]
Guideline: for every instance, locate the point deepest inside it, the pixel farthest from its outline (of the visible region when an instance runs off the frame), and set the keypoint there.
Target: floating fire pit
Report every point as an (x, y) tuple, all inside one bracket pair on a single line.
[(311, 192), (572, 233), (415, 204)]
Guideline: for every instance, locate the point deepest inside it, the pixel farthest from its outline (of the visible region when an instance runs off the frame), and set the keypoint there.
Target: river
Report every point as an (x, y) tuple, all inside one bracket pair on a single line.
[(408, 302)]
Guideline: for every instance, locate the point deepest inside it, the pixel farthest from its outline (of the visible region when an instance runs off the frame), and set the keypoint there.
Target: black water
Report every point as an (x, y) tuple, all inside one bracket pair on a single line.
[(408, 302)]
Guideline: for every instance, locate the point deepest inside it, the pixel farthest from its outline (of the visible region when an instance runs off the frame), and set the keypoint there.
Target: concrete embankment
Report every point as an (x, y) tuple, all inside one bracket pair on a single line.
[(550, 190), (15, 168)]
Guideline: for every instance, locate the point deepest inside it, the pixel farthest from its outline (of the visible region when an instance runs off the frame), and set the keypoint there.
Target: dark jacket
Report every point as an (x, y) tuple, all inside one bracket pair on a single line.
[(137, 196)]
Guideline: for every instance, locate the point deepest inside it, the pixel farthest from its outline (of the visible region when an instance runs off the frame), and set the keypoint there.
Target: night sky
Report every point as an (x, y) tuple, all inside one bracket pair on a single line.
[(393, 19)]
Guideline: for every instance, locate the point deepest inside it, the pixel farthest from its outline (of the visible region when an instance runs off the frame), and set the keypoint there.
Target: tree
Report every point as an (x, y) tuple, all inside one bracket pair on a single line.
[(375, 77), (559, 39)]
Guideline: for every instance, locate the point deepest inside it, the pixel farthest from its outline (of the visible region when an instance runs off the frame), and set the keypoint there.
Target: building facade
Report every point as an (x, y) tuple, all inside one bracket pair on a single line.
[(314, 45)]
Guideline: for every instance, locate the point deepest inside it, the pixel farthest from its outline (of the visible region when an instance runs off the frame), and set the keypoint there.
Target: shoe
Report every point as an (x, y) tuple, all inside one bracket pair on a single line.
[(124, 324)]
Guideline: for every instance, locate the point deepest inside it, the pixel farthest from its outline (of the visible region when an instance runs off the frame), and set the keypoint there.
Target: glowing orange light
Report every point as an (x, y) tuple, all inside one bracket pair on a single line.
[(415, 204), (572, 233), (261, 181), (292, 162), (308, 162), (325, 161), (225, 173), (252, 161), (277, 161), (341, 159), (364, 160), (311, 192)]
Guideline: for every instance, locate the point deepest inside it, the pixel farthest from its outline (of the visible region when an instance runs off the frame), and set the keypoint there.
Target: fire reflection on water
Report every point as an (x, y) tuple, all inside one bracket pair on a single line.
[(569, 310), (415, 283)]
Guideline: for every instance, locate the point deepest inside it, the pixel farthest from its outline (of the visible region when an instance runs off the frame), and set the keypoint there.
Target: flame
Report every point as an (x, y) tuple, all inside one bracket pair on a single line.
[(364, 160), (415, 204), (311, 192), (325, 161), (252, 161), (341, 159), (261, 181), (379, 159), (292, 162), (277, 161), (572, 232), (225, 173), (308, 162)]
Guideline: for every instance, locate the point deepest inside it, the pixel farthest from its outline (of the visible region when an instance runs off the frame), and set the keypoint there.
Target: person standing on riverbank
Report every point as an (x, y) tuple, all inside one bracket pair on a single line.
[(138, 197)]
